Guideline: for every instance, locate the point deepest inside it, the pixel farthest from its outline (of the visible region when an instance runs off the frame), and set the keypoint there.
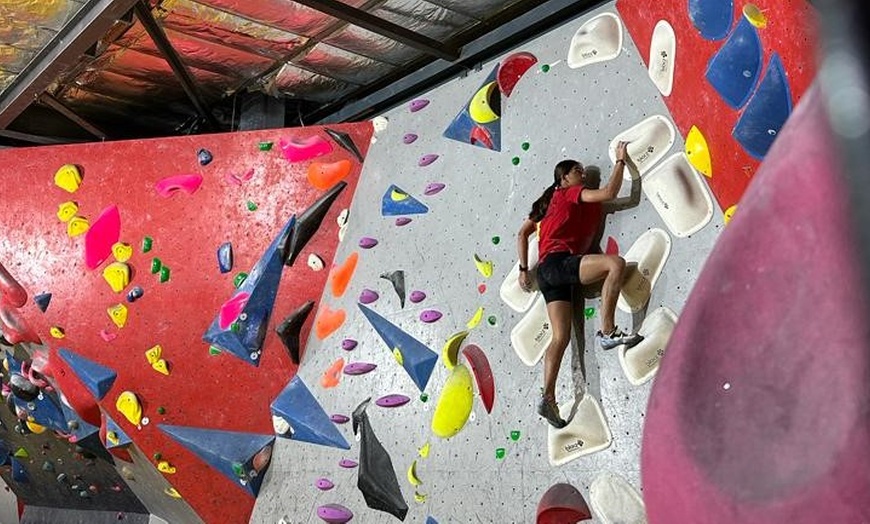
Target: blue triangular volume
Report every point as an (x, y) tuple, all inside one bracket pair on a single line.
[(96, 377), (82, 429), (464, 129), (407, 206), (19, 474), (46, 411), (310, 423), (766, 112), (123, 438), (712, 18), (430, 520), (262, 285), (417, 359), (223, 450), (734, 69)]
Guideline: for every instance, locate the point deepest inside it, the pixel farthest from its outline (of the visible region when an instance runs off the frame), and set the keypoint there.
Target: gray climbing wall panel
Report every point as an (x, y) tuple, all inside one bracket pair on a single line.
[(561, 113)]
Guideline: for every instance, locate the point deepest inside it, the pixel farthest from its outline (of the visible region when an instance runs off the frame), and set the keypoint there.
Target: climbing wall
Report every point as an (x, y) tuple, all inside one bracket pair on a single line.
[(443, 192)]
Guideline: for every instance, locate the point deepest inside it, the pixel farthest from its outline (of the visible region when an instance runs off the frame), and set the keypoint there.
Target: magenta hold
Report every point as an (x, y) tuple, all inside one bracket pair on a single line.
[(418, 104), (359, 368), (338, 418), (425, 160), (368, 296), (334, 513), (348, 344), (430, 315), (367, 242), (392, 401), (324, 484), (347, 463), (417, 296), (409, 138), (403, 221), (433, 188)]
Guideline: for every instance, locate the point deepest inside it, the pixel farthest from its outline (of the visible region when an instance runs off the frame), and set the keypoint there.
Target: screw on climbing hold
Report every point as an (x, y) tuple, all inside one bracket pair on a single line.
[(589, 312), (515, 160), (264, 146), (158, 456), (496, 240), (251, 205), (161, 410), (147, 244), (424, 397), (239, 279), (239, 469), (491, 319), (545, 68), (515, 435), (214, 350), (164, 274), (156, 264), (204, 156), (57, 332), (235, 327), (499, 453), (525, 146), (135, 294)]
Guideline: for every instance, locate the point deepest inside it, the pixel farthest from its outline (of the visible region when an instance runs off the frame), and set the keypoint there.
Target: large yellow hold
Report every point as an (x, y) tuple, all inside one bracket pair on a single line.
[(454, 405), (68, 178), (129, 406)]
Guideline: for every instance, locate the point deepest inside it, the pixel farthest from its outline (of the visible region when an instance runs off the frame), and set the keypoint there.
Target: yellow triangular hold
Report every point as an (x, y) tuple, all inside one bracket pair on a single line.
[(698, 152), (475, 319), (122, 251), (154, 354), (117, 274), (129, 406), (450, 351), (68, 178), (67, 210), (56, 332), (165, 467), (397, 354), (729, 214), (484, 266), (161, 367), (118, 314), (77, 226), (172, 492), (424, 450), (112, 437)]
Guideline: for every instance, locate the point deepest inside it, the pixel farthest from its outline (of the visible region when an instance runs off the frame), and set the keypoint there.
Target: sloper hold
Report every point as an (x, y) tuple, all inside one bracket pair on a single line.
[(344, 140), (307, 224), (417, 359), (289, 330), (262, 286), (766, 112), (562, 504), (734, 69), (101, 236), (96, 377), (224, 451), (377, 478), (397, 202), (712, 18), (308, 421)]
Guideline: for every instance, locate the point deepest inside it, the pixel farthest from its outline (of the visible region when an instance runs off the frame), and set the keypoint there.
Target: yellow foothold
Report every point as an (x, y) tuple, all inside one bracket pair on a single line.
[(454, 405), (112, 437), (77, 226), (755, 16), (398, 196), (424, 450), (729, 214), (419, 497), (483, 107), (412, 474), (154, 354), (56, 332), (397, 354), (698, 152), (475, 320), (34, 427), (450, 351), (68, 178), (122, 251), (172, 492), (161, 367), (484, 266), (118, 314), (117, 274), (67, 210), (165, 467), (129, 406)]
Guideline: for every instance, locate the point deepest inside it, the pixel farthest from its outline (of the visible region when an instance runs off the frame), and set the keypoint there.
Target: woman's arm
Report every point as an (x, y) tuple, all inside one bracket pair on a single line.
[(611, 190), (525, 232)]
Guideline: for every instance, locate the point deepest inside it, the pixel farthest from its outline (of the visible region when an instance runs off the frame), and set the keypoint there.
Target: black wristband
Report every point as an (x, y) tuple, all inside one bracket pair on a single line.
[(524, 268)]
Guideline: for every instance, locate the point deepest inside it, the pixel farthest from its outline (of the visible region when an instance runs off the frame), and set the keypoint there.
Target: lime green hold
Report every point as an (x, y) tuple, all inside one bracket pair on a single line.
[(235, 327), (147, 244), (496, 240), (515, 160), (240, 278), (214, 350), (589, 312), (545, 68), (251, 206), (515, 435), (492, 320), (21, 453), (424, 397), (525, 146), (499, 453), (156, 265), (238, 469), (164, 274), (265, 146)]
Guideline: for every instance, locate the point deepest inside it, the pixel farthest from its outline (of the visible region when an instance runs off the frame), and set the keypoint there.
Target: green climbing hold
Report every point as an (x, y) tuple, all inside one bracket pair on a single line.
[(424, 397), (491, 319), (515, 160), (515, 435), (156, 265), (158, 456), (264, 146), (545, 68), (237, 282), (147, 243), (589, 312), (161, 410), (525, 146), (238, 469), (496, 240), (164, 274), (499, 453), (214, 350), (21, 453), (235, 327), (251, 206)]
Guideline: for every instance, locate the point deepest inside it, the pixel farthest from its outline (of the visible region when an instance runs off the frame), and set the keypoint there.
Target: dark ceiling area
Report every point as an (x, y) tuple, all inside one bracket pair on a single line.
[(91, 70)]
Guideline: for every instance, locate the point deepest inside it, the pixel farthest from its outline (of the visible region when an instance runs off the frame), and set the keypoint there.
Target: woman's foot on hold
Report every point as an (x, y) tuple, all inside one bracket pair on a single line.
[(548, 409), (618, 338)]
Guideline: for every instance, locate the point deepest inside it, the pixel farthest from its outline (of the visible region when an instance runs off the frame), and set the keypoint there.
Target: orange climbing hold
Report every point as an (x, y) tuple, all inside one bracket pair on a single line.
[(328, 320), (332, 375), (342, 274), (325, 175)]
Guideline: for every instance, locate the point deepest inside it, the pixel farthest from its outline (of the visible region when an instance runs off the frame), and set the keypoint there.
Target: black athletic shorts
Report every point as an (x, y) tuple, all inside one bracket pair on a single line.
[(557, 275)]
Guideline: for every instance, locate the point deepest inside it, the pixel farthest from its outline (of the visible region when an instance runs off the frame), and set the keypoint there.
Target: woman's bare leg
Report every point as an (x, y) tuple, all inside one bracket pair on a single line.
[(610, 268)]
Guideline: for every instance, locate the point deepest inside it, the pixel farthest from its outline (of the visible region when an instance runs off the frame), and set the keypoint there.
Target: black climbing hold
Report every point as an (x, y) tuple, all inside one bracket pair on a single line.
[(289, 330), (344, 140), (42, 300), (307, 224), (204, 156), (398, 279), (135, 294), (377, 478), (225, 257)]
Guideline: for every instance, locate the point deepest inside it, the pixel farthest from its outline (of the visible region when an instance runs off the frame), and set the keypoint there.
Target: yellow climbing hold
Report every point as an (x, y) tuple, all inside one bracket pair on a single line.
[(165, 467), (118, 314), (484, 266), (161, 367), (77, 226), (397, 354), (129, 406), (475, 319), (450, 351), (755, 16), (698, 152), (117, 274), (454, 405), (412, 474), (397, 195), (424, 450), (122, 251), (481, 109), (154, 354), (729, 214), (35, 428), (172, 492), (67, 210), (113, 438), (68, 178), (419, 497), (56, 332)]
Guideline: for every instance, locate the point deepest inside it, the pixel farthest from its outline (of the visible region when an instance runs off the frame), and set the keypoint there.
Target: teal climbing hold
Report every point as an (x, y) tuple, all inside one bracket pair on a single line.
[(308, 421), (96, 377)]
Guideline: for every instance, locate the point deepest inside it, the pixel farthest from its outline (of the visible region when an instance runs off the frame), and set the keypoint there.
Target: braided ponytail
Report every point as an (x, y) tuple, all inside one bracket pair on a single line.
[(539, 207)]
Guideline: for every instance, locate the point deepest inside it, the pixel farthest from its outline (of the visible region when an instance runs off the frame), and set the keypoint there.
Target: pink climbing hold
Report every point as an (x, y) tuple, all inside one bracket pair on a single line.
[(238, 179), (348, 463), (481, 288), (612, 247), (338, 418), (418, 104), (392, 401), (403, 221), (348, 344), (101, 236), (324, 484), (108, 336), (433, 188), (334, 513), (368, 296), (417, 296), (430, 315), (299, 150), (173, 184), (231, 309), (367, 242), (359, 368), (426, 160), (409, 138)]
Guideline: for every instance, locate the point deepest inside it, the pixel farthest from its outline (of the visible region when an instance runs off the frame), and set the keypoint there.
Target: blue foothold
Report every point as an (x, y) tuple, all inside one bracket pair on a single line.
[(225, 257)]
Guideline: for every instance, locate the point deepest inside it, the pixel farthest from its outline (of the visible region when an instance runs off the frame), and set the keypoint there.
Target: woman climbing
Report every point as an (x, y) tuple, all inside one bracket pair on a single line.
[(570, 214)]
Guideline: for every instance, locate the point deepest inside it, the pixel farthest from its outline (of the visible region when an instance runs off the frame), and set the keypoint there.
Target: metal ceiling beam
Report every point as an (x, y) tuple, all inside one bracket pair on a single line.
[(37, 139), (55, 104), (86, 27), (383, 27), (143, 13)]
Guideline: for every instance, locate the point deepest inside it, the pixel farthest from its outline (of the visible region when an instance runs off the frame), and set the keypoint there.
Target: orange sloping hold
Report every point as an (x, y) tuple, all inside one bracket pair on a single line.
[(342, 274), (324, 175), (328, 320), (332, 375)]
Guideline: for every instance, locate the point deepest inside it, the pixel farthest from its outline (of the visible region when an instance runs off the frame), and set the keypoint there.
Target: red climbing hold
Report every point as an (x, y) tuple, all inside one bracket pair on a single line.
[(11, 292), (562, 504), (482, 374), (512, 69)]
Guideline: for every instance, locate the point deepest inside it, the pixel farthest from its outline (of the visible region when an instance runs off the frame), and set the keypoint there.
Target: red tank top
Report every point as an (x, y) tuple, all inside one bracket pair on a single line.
[(569, 225)]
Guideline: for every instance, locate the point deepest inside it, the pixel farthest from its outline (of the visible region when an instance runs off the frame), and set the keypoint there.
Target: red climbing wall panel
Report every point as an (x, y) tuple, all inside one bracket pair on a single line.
[(790, 32), (215, 392)]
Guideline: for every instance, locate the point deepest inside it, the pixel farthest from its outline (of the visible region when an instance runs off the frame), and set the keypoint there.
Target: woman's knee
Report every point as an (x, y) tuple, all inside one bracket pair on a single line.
[(617, 264), (559, 342)]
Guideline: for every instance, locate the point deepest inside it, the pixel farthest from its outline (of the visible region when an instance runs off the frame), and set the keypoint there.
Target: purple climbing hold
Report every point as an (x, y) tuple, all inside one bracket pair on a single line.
[(359, 368), (324, 484), (433, 188), (338, 418), (368, 296), (392, 401), (418, 104), (425, 160), (417, 296), (409, 138), (334, 513), (403, 221), (430, 315), (347, 463), (367, 242), (348, 344)]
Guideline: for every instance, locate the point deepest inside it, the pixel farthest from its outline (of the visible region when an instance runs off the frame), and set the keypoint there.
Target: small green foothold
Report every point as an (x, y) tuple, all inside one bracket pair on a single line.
[(213, 350), (545, 68), (21, 453), (251, 206), (164, 274), (499, 453), (515, 160), (158, 456), (589, 312), (161, 410), (238, 469), (235, 327), (265, 146), (525, 146), (424, 397), (156, 265), (491, 319), (515, 435), (147, 243), (237, 282), (496, 240)]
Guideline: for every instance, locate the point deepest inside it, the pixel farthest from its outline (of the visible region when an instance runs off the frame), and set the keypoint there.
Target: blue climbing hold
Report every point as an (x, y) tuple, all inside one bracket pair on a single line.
[(431, 520), (712, 18), (19, 474), (306, 417), (398, 202), (734, 69), (42, 300), (225, 257), (766, 112), (96, 377)]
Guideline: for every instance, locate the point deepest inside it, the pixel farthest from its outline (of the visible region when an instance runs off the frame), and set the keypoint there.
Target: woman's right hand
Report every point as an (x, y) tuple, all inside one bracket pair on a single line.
[(621, 151), (525, 281)]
